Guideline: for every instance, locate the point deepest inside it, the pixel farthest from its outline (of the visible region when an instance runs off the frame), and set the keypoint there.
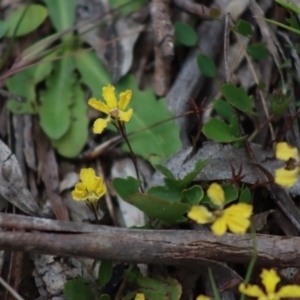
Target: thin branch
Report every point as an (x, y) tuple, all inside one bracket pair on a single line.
[(169, 247)]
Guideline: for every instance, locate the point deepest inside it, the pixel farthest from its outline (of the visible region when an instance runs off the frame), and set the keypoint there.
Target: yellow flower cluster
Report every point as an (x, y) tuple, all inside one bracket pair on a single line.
[(113, 108), (287, 177), (235, 217), (270, 279), (90, 189)]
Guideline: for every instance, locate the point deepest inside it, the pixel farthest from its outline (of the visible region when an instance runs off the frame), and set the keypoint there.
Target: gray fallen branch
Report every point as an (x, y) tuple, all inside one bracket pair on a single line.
[(185, 248)]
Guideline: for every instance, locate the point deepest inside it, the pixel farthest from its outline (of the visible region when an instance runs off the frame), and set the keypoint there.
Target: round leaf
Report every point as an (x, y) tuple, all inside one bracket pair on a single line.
[(185, 34), (206, 65), (258, 51), (243, 28), (34, 16)]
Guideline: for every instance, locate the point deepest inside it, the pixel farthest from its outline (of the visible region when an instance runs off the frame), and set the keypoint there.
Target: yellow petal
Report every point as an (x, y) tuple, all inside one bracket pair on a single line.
[(251, 290), (284, 152), (79, 192), (200, 214), (269, 279), (94, 103), (238, 225), (202, 297), (139, 296), (241, 210), (237, 217), (125, 116), (100, 125), (289, 291), (219, 227), (286, 178), (216, 194), (108, 93), (99, 187), (87, 176), (125, 98)]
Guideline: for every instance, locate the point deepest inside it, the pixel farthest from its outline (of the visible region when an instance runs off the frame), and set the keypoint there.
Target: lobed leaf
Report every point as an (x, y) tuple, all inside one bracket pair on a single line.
[(218, 131), (158, 208), (62, 14), (238, 98), (93, 72), (155, 144), (54, 111), (73, 141), (126, 187)]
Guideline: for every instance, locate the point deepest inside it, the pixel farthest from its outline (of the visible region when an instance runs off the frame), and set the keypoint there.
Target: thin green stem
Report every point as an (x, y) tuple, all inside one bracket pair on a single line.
[(122, 130), (253, 259)]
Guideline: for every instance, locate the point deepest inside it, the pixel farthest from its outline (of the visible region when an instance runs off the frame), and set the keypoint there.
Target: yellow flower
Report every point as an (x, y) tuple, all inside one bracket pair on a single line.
[(287, 177), (270, 279), (91, 187), (139, 296), (235, 217), (113, 108), (202, 297)]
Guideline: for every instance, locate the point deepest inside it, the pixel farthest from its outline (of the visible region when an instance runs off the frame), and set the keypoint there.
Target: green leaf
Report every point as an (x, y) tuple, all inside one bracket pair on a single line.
[(224, 109), (62, 14), (258, 51), (171, 191), (163, 288), (185, 34), (75, 289), (193, 195), (245, 196), (237, 97), (3, 29), (243, 27), (231, 193), (126, 7), (279, 104), (218, 131), (159, 142), (55, 112), (165, 171), (33, 18), (105, 272), (93, 72), (159, 208), (206, 65), (200, 164), (23, 83), (73, 141), (126, 187)]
